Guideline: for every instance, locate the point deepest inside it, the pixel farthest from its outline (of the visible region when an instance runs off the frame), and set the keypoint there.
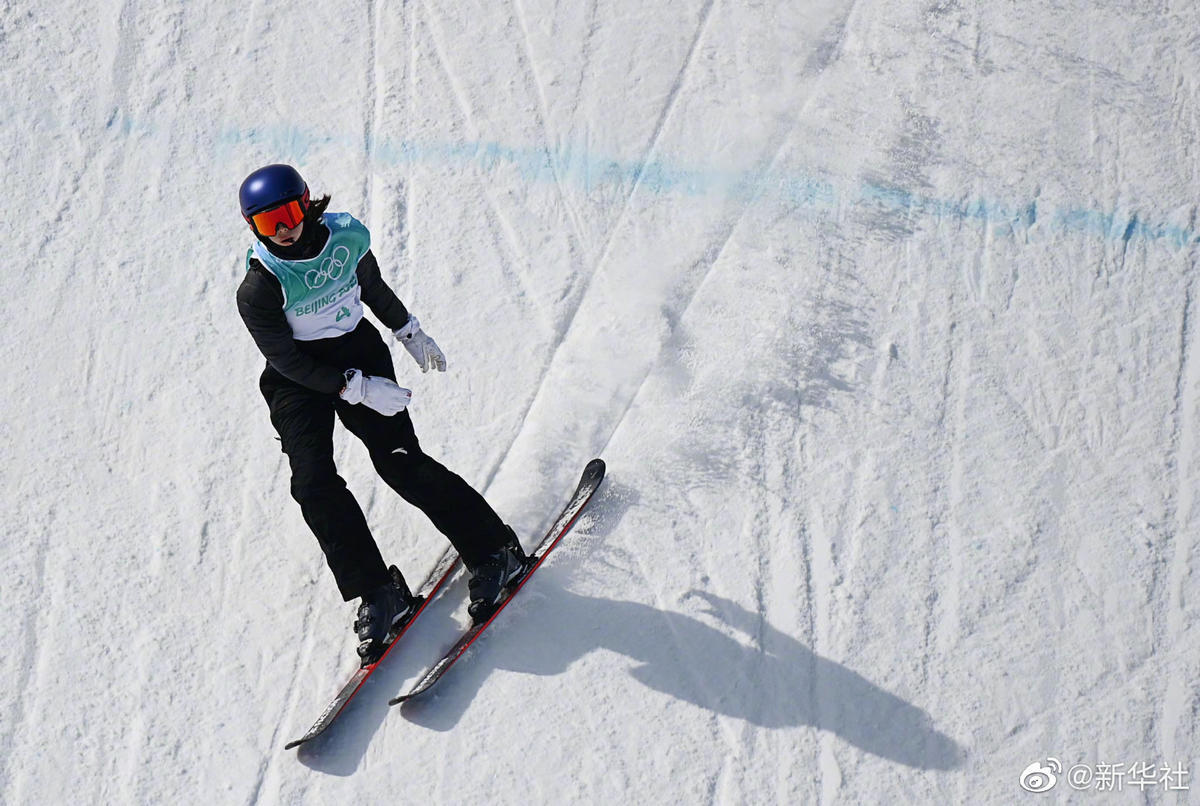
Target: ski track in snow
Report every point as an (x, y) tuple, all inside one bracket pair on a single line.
[(882, 314), (1170, 626), (497, 219), (543, 120), (584, 287)]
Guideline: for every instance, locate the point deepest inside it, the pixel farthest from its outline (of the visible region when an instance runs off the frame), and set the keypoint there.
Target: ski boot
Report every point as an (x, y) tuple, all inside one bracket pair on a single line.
[(495, 575), (381, 615)]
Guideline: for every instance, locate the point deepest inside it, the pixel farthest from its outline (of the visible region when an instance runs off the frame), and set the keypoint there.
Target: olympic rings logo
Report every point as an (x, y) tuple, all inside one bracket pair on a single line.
[(332, 268)]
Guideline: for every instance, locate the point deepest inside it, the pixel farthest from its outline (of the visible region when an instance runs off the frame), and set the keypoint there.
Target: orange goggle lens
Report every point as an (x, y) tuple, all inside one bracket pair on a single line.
[(289, 214)]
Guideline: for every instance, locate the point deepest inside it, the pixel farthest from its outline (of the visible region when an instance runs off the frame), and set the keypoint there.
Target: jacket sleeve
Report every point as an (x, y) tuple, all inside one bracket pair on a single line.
[(260, 303), (378, 296)]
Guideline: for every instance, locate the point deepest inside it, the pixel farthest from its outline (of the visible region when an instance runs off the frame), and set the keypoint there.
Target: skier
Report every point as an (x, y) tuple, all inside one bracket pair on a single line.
[(307, 276)]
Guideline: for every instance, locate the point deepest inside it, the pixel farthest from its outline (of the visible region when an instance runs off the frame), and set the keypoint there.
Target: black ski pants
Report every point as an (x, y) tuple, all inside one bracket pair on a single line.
[(303, 418)]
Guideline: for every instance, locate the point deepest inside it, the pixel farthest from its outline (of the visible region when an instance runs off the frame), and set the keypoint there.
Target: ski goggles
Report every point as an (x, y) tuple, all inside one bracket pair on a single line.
[(289, 214)]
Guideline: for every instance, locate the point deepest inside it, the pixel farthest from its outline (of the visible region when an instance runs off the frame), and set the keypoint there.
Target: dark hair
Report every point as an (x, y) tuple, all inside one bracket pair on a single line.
[(316, 208)]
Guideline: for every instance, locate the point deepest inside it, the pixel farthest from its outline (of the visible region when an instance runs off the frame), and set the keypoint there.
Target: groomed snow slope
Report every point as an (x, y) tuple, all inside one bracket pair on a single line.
[(882, 313)]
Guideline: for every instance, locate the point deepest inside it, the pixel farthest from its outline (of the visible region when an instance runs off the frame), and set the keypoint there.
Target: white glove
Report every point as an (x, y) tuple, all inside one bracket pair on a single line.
[(423, 349), (375, 392)]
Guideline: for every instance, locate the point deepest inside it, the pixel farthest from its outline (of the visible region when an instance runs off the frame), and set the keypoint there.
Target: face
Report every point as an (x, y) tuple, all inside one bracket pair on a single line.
[(286, 237)]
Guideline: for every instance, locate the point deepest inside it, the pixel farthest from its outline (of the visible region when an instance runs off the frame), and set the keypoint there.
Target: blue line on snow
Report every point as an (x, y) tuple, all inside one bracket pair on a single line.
[(590, 172)]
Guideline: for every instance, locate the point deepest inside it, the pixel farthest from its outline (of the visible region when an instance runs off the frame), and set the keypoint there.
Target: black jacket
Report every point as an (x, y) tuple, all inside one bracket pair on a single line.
[(308, 363)]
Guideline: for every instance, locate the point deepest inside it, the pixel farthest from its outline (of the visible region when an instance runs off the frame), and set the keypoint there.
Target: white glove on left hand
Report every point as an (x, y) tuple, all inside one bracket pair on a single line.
[(375, 392), (423, 349)]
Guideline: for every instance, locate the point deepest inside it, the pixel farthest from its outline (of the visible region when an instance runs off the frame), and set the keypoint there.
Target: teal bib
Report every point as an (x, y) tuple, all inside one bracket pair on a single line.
[(321, 296)]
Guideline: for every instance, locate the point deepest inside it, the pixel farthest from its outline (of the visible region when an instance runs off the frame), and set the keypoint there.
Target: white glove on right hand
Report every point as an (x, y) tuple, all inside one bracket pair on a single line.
[(375, 392)]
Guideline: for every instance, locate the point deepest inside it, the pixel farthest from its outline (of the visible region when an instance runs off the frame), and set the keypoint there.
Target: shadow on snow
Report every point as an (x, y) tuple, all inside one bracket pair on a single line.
[(770, 679)]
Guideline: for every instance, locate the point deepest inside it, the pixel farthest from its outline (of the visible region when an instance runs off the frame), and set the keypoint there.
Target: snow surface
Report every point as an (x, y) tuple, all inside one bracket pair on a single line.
[(882, 313)]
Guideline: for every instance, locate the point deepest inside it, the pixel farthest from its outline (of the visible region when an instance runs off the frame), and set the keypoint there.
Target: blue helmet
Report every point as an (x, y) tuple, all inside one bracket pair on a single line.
[(270, 187)]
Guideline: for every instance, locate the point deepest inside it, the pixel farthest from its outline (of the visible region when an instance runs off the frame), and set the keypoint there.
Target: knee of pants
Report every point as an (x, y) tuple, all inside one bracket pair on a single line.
[(414, 476), (422, 471), (405, 459), (315, 486)]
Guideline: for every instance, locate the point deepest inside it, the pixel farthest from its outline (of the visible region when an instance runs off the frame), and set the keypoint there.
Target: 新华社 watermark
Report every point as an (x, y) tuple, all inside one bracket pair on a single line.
[(1142, 776)]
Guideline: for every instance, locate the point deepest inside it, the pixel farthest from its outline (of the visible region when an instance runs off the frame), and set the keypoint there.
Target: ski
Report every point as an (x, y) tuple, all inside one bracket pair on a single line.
[(437, 577), (593, 474)]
